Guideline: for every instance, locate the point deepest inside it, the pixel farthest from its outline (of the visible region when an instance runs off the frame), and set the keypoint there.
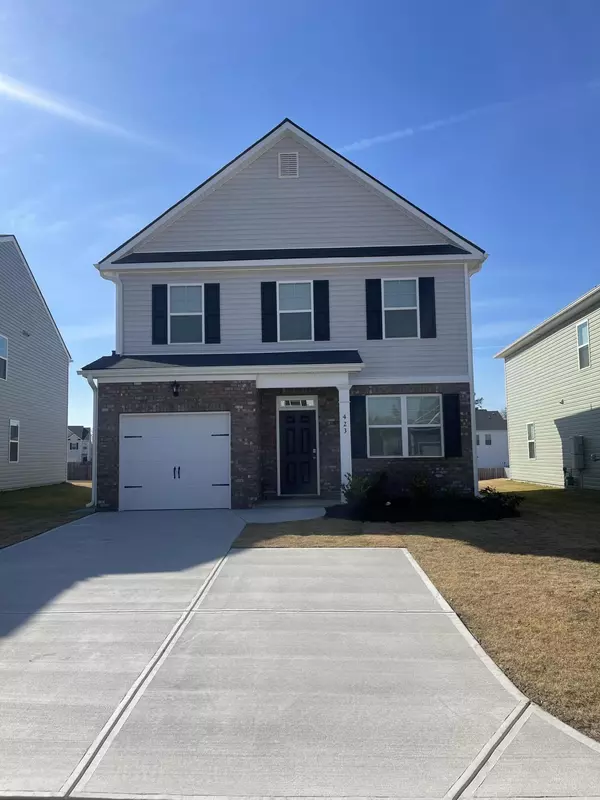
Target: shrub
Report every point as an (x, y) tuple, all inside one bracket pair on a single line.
[(355, 488)]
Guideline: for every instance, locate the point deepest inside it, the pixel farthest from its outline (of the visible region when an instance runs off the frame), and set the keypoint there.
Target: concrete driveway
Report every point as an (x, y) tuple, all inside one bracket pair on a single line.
[(140, 659)]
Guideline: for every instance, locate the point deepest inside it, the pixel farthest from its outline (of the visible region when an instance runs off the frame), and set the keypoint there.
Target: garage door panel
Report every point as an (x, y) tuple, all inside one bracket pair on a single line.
[(170, 461)]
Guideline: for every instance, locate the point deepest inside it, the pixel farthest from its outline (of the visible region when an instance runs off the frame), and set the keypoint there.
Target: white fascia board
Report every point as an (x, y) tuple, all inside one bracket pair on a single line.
[(393, 380), (214, 373)]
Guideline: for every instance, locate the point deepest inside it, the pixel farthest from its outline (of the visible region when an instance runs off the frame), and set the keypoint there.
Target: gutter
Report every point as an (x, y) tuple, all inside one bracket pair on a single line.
[(94, 499)]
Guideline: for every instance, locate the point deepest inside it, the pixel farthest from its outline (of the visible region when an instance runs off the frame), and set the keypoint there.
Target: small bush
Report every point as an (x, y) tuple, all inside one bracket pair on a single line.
[(355, 488)]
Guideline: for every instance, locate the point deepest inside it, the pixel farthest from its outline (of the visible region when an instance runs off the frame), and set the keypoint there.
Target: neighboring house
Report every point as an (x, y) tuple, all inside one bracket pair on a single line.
[(553, 398), (492, 439), (34, 369), (290, 322), (79, 444)]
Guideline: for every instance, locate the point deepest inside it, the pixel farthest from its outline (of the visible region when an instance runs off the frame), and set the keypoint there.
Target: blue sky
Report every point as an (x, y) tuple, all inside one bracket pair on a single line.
[(484, 113)]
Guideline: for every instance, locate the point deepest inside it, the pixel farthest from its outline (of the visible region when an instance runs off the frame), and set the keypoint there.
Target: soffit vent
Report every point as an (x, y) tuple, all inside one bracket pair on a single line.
[(288, 165)]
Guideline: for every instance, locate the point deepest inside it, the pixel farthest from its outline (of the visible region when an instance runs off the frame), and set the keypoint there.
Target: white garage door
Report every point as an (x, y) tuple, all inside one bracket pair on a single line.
[(174, 461)]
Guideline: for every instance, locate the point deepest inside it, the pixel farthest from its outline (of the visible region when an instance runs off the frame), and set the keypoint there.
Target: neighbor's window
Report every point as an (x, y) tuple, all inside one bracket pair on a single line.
[(3, 357), (488, 438), (14, 429), (478, 440), (583, 344), (531, 439), (186, 317), (73, 445), (400, 309), (295, 312), (401, 426)]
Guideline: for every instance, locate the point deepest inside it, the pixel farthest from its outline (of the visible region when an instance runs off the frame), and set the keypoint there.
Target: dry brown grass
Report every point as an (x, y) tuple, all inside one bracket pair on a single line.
[(527, 588)]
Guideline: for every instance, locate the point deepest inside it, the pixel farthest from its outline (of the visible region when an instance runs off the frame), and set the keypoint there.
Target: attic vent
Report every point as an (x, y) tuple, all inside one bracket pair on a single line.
[(288, 165)]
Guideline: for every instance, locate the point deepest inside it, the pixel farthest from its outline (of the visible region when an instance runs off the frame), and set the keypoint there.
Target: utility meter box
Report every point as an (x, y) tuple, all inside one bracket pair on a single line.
[(577, 453)]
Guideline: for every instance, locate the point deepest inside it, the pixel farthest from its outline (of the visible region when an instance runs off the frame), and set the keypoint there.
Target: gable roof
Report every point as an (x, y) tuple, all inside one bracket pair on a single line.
[(470, 249), (80, 431), (11, 238), (489, 420)]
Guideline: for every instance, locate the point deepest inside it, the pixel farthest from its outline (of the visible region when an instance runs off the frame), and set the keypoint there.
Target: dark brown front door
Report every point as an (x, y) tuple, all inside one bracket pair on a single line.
[(297, 452)]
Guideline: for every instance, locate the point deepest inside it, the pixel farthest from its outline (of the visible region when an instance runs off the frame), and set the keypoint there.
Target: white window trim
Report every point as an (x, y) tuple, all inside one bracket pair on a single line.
[(5, 358), (529, 441), (404, 426), (11, 424), (73, 445), (488, 444), (297, 311), (580, 346), (288, 153), (477, 439), (185, 313), (384, 308)]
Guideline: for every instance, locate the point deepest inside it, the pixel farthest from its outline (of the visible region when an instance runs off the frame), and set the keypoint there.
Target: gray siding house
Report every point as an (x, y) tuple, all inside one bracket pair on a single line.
[(289, 323), (34, 379), (553, 398)]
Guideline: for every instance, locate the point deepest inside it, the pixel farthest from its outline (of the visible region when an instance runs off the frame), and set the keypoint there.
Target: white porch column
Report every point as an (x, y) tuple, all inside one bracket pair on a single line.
[(345, 446)]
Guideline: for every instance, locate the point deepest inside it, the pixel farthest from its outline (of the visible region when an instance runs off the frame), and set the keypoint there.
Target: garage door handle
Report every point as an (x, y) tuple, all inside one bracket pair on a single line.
[(178, 472)]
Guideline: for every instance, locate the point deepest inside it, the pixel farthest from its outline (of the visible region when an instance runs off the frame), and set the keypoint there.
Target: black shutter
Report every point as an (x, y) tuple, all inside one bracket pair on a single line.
[(373, 300), (212, 311), (427, 308), (321, 310), (268, 301), (358, 426), (452, 433), (159, 313)]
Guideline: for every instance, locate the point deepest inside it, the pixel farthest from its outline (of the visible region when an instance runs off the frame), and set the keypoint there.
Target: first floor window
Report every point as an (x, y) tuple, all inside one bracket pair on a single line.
[(531, 440), (400, 309), (477, 440), (583, 344), (401, 426), (295, 311), (14, 430), (3, 357), (73, 445), (186, 314), (488, 438)]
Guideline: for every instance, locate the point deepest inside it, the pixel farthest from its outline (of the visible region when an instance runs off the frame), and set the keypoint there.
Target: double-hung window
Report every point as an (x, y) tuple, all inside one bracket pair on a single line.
[(73, 445), (531, 440), (3, 357), (295, 311), (400, 303), (401, 426), (14, 430), (488, 438), (583, 344), (186, 314)]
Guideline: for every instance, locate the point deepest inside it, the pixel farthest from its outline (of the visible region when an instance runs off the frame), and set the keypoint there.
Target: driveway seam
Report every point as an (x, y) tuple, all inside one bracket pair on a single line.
[(92, 757)]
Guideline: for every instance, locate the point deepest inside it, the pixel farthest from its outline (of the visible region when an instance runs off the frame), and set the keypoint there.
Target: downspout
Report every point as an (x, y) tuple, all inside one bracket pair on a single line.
[(471, 380), (93, 501)]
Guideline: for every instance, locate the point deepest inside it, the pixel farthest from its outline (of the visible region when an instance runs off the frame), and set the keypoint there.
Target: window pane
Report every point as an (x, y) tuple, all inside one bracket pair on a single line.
[(3, 368), (186, 329), (384, 410), (14, 431), (186, 299), (295, 326), (385, 441), (584, 356), (531, 431), (425, 442), (294, 296), (477, 438), (400, 324), (3, 347), (399, 294), (13, 451), (531, 449), (583, 334), (423, 410), (488, 438)]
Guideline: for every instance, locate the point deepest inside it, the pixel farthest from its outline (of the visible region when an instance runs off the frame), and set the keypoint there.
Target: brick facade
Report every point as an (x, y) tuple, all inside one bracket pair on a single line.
[(240, 398), (328, 433), (454, 473)]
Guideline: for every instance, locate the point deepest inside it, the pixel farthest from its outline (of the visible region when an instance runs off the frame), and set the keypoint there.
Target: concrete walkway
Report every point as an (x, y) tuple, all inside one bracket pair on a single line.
[(139, 660)]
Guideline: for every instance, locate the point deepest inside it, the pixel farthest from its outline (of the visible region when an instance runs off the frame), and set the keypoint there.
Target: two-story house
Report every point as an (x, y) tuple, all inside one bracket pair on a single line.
[(492, 440), (79, 444), (290, 322), (553, 398), (34, 379)]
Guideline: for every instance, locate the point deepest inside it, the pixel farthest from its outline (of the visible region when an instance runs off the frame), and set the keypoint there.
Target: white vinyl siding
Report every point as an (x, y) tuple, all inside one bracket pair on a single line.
[(545, 386), (494, 454), (446, 355), (324, 207), (35, 391)]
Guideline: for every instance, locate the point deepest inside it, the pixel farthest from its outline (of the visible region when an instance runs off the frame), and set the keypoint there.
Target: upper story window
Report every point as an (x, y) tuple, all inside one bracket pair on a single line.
[(531, 440), (14, 435), (583, 344), (3, 357), (478, 440), (186, 314), (400, 309), (401, 426), (488, 438), (73, 445), (295, 311)]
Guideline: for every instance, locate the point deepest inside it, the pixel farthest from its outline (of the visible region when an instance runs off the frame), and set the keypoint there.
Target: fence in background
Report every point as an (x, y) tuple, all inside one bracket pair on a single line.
[(79, 472), (492, 473)]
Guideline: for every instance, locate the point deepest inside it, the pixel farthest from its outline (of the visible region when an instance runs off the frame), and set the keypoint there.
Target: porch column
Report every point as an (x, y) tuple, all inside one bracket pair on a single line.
[(345, 446)]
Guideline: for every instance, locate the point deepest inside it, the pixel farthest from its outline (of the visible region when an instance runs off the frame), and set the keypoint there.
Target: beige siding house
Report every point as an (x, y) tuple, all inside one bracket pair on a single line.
[(34, 369), (553, 398)]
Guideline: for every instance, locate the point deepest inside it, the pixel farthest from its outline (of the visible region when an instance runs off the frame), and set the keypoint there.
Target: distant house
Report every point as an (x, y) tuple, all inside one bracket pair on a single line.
[(79, 444), (34, 377), (553, 398), (492, 439)]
